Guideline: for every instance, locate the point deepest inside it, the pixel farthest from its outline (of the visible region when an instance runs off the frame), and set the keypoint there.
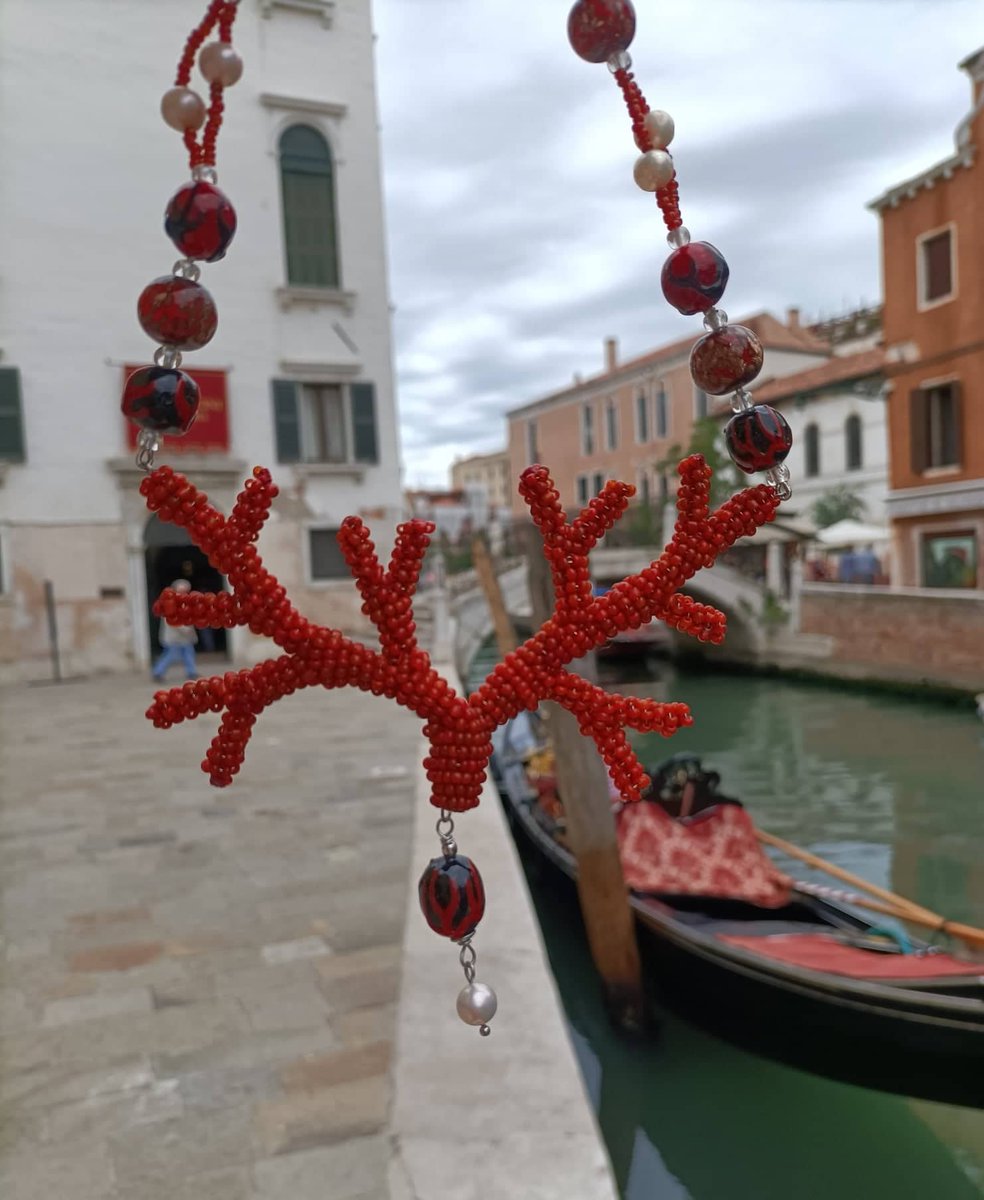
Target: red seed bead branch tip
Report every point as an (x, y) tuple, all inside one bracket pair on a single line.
[(459, 730)]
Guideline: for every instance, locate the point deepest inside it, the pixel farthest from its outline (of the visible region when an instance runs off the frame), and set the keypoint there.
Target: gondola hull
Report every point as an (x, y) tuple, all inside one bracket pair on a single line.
[(925, 1042)]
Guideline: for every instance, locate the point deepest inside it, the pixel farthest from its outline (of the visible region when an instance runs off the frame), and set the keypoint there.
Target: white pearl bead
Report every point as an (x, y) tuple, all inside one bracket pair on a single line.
[(477, 1004), (183, 109), (653, 170), (659, 125), (220, 62)]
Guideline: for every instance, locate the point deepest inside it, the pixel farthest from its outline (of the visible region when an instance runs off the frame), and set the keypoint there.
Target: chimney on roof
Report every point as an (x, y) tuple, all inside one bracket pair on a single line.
[(974, 66), (611, 354), (793, 318)]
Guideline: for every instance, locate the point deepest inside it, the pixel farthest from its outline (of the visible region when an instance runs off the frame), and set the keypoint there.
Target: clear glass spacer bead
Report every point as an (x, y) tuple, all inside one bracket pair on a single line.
[(679, 237), (167, 356), (620, 61), (715, 318), (741, 400), (204, 173), (187, 268)]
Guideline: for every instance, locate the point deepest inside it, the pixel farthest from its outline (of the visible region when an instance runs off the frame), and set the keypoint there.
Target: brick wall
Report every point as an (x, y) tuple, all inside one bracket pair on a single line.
[(904, 633)]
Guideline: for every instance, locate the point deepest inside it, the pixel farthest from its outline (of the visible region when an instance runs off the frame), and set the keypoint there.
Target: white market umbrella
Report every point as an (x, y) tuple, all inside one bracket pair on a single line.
[(852, 533)]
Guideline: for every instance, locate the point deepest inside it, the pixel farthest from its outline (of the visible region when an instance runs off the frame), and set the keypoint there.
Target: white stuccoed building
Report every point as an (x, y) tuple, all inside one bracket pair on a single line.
[(299, 375)]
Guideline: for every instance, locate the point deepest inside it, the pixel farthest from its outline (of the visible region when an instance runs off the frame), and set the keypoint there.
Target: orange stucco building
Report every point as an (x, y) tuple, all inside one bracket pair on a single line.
[(933, 267), (621, 423)]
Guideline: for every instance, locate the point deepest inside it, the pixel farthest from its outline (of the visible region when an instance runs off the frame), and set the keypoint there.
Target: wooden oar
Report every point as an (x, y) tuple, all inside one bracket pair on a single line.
[(891, 905), (822, 864)]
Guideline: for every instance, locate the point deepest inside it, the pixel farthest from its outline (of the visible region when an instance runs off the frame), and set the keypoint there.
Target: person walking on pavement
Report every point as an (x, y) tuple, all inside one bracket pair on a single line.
[(178, 641)]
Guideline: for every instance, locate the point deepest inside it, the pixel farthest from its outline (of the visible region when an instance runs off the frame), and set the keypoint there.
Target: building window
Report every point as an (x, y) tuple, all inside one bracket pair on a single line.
[(325, 555), (611, 425), (582, 490), (325, 422), (936, 267), (950, 560), (307, 180), (599, 481), (662, 413), (642, 418), (700, 404), (664, 487), (644, 494), (935, 415), (11, 416), (587, 429), (811, 449), (853, 448), (532, 449)]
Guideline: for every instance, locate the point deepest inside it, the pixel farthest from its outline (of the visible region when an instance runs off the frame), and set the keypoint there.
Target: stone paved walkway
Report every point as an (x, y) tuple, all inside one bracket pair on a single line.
[(197, 988)]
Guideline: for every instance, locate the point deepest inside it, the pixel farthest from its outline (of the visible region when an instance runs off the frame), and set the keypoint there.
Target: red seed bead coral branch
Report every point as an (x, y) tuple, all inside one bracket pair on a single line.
[(458, 729)]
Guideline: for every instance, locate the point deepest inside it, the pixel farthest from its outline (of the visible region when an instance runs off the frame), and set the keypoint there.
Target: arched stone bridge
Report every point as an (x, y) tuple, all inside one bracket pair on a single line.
[(739, 598)]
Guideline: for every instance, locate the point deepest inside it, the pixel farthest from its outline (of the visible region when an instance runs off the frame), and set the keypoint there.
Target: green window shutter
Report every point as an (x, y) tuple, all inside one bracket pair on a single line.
[(919, 430), (308, 186), (11, 416), (286, 421), (363, 400)]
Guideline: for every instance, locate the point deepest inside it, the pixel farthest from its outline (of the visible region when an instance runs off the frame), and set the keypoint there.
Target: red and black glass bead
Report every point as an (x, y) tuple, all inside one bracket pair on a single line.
[(452, 896), (178, 312), (726, 359), (694, 277), (161, 398), (597, 29), (758, 439), (200, 221)]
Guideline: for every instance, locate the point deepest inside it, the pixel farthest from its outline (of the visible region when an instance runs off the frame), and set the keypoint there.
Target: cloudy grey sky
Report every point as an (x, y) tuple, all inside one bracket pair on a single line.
[(517, 237)]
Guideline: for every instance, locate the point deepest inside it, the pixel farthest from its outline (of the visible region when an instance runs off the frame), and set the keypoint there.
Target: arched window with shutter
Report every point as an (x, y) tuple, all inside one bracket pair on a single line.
[(307, 180), (811, 449), (854, 450)]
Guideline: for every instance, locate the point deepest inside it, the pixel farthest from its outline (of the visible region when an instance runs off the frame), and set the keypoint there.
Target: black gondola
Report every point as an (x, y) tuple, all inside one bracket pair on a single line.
[(918, 1037)]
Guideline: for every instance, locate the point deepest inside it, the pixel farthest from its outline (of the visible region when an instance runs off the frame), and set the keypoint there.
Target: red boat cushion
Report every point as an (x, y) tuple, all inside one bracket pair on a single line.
[(715, 853), (821, 952)]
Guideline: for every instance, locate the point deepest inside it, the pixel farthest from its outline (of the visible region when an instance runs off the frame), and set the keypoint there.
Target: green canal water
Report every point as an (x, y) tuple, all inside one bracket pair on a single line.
[(892, 789)]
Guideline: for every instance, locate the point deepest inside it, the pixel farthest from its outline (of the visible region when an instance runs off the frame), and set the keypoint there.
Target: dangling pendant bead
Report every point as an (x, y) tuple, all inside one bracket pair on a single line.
[(177, 310), (161, 398), (725, 359), (694, 278), (452, 899)]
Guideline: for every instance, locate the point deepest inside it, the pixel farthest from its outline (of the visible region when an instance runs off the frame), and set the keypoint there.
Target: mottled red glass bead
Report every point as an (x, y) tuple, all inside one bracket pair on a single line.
[(177, 312), (758, 439), (726, 359), (600, 28), (200, 221), (161, 398), (452, 896), (694, 277)]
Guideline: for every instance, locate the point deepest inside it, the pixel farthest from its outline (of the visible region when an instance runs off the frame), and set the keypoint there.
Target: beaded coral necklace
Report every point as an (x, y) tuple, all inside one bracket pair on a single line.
[(179, 313)]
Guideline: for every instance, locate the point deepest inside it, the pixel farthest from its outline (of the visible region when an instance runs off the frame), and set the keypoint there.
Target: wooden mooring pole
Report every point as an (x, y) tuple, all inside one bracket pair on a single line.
[(582, 782)]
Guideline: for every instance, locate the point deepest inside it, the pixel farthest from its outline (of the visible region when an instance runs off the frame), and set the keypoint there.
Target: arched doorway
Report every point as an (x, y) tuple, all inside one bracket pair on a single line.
[(170, 554)]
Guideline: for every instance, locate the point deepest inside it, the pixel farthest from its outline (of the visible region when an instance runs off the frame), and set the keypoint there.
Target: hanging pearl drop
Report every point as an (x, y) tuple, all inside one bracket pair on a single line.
[(220, 62), (477, 1004), (660, 127), (183, 109), (653, 170)]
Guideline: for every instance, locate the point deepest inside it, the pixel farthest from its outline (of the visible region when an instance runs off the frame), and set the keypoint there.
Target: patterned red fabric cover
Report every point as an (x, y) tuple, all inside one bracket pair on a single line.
[(715, 853)]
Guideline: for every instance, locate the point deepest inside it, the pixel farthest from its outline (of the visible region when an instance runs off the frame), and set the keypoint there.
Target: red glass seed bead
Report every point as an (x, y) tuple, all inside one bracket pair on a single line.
[(597, 29), (200, 221), (726, 359), (177, 312), (758, 439), (694, 277), (162, 399), (452, 896)]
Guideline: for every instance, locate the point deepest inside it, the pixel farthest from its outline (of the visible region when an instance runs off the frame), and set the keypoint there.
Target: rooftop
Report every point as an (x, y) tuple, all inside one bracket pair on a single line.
[(843, 369)]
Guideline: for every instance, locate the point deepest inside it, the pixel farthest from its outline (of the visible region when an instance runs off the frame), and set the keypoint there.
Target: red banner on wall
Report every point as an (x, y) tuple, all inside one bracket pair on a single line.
[(210, 432)]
